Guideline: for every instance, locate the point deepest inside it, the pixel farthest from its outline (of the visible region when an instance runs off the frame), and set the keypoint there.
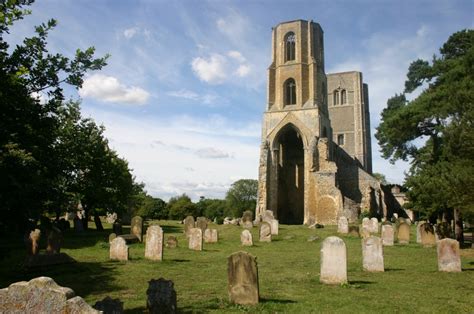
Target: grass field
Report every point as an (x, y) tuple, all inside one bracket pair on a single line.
[(288, 274)]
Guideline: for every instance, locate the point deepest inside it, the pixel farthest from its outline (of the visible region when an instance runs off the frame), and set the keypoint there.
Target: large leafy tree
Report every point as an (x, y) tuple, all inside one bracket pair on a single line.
[(435, 131), (242, 196)]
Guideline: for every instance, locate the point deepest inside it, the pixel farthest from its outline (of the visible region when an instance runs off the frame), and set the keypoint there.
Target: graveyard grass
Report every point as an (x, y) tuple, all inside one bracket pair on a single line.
[(288, 271)]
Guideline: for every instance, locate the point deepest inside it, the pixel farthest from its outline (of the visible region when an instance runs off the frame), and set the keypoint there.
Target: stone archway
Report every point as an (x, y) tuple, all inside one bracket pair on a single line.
[(290, 195), (327, 211)]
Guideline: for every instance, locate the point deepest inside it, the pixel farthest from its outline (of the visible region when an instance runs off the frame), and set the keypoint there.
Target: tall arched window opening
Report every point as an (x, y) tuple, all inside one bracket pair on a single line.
[(290, 92), (336, 98), (290, 43), (343, 97)]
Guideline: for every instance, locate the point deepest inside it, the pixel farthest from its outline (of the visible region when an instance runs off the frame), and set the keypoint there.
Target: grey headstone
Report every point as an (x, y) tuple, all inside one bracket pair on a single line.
[(388, 235), (211, 236), (242, 274), (449, 259), (195, 239), (154, 243), (246, 238), (109, 306), (265, 232), (333, 261), (161, 297), (342, 225), (118, 249), (136, 227), (372, 254)]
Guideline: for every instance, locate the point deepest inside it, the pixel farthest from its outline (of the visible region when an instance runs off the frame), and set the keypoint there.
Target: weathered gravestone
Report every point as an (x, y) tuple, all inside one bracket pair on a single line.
[(449, 259), (333, 261), (247, 219), (342, 225), (366, 223), (78, 226), (274, 226), (118, 249), (210, 236), (267, 215), (265, 232), (154, 243), (195, 239), (388, 234), (403, 233), (32, 242), (374, 225), (161, 296), (427, 235), (55, 239), (418, 233), (372, 254), (171, 242), (136, 227), (246, 238), (188, 224), (112, 236), (109, 306), (41, 295), (201, 223), (242, 274)]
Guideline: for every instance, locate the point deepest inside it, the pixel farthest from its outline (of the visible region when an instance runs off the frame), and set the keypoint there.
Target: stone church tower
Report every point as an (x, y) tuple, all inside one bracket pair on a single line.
[(304, 177)]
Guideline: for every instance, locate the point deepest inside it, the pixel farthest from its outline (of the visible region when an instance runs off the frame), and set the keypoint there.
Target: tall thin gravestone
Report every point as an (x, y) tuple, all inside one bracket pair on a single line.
[(154, 243), (372, 254), (274, 225), (201, 223), (246, 238), (388, 234), (333, 261), (136, 227), (265, 232), (195, 239), (242, 274)]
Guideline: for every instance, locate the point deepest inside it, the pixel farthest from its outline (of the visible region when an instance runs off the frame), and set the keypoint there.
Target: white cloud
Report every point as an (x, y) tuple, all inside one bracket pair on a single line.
[(211, 70), (217, 68), (212, 153), (243, 70), (184, 93), (236, 55), (109, 89), (208, 99), (130, 32)]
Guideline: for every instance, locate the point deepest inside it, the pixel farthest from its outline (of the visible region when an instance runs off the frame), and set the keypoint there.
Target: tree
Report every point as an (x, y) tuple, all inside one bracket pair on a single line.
[(151, 207), (181, 206), (380, 177), (242, 196), (29, 166), (213, 208), (435, 131)]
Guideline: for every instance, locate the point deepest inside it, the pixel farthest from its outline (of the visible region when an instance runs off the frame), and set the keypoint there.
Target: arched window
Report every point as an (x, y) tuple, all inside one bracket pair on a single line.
[(290, 92), (336, 98), (290, 42), (343, 97)]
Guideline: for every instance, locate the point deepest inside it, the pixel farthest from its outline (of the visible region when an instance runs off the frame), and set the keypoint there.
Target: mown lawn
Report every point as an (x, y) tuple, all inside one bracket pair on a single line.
[(288, 274)]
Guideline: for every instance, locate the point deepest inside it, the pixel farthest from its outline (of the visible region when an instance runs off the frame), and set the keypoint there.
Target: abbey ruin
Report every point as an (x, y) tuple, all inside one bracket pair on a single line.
[(315, 155)]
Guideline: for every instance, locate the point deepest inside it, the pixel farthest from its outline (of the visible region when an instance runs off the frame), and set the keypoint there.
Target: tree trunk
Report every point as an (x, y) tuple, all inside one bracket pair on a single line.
[(85, 219), (458, 229), (98, 223)]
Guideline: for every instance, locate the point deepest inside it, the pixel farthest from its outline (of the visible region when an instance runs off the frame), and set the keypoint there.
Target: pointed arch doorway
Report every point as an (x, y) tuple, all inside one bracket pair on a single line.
[(290, 196)]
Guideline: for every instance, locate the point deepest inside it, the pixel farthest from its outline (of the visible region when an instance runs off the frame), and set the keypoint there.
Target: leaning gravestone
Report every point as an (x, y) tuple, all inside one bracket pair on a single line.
[(154, 243), (265, 232), (109, 306), (274, 226), (161, 297), (449, 259), (246, 238), (55, 239), (403, 233), (118, 249), (136, 227), (188, 224), (210, 236), (372, 254), (242, 275), (342, 225), (32, 243), (333, 261), (388, 235), (41, 295), (195, 239), (201, 223), (171, 242), (427, 235)]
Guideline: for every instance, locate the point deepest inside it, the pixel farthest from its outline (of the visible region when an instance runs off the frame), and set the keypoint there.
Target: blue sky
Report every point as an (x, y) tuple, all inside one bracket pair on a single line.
[(184, 91)]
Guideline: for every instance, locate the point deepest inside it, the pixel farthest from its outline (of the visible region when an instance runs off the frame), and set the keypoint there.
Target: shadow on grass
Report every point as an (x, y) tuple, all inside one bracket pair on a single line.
[(360, 282), (394, 269), (277, 301), (84, 278), (467, 269), (177, 260), (172, 229), (136, 310)]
